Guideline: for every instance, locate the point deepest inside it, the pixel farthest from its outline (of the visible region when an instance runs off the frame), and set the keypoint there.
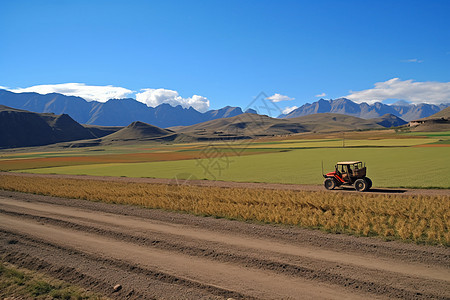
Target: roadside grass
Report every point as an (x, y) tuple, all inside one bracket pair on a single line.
[(419, 219), (423, 167), (18, 283)]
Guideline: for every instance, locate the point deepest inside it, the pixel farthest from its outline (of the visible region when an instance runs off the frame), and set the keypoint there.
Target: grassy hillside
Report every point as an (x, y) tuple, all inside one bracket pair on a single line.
[(138, 131), (251, 125), (329, 122)]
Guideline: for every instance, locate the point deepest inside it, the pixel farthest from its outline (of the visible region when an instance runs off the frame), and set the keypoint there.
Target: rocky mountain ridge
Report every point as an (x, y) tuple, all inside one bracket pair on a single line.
[(363, 110)]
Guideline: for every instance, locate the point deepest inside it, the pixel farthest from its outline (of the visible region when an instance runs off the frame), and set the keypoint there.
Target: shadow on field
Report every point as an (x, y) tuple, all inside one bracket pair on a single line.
[(377, 190), (389, 191)]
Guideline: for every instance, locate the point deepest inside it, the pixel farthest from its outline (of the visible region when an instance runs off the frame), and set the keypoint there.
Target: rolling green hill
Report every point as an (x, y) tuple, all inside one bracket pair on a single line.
[(329, 122), (252, 125), (245, 125), (139, 131)]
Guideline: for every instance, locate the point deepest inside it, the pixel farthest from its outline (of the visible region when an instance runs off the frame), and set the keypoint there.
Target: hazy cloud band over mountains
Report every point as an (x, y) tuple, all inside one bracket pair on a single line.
[(87, 92), (150, 97), (413, 91)]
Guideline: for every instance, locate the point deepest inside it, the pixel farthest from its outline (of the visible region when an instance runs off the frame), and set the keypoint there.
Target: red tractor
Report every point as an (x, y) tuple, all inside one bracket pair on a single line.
[(350, 173)]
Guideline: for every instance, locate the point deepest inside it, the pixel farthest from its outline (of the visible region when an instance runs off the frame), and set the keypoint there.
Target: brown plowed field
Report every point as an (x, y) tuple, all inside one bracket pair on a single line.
[(155, 254)]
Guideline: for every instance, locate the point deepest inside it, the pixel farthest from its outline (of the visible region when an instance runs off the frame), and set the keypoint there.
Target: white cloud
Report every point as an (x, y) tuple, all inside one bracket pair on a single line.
[(321, 95), (288, 109), (88, 92), (279, 97), (409, 90), (199, 103), (413, 60), (3, 87), (155, 97), (151, 97)]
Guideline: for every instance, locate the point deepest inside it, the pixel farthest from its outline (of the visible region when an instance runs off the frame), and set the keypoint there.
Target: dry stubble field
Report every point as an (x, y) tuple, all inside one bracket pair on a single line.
[(421, 218)]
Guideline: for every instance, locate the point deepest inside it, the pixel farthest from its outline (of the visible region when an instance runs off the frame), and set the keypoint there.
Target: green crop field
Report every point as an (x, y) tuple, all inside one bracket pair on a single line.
[(387, 166), (347, 143), (393, 160), (430, 134)]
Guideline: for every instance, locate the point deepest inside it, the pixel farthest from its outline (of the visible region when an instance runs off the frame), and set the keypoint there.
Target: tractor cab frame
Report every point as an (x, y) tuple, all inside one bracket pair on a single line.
[(350, 173)]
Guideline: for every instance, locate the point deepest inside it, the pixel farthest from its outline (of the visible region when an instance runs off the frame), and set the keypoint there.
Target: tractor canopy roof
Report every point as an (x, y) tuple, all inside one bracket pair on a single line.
[(349, 162)]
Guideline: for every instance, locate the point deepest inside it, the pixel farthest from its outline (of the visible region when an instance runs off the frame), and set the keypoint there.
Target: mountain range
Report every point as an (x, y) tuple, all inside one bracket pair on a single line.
[(122, 112), (21, 128), (401, 109), (114, 112)]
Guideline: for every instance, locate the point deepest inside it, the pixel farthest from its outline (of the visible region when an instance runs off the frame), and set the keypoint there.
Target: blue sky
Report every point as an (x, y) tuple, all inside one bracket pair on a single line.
[(229, 51)]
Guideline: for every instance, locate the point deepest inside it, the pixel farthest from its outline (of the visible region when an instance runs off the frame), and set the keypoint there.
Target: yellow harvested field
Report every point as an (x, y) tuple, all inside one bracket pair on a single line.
[(422, 219)]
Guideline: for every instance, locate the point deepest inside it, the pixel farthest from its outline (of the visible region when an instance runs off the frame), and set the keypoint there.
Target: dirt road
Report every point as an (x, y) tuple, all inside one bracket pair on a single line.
[(155, 254), (233, 184)]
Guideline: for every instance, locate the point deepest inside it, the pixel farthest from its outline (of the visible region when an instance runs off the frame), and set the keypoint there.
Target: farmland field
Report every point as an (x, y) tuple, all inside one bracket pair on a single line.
[(420, 219), (98, 232), (393, 160)]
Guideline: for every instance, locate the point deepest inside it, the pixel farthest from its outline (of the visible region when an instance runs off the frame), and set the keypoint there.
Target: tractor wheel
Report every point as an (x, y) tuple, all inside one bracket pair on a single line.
[(329, 183), (361, 185), (369, 183)]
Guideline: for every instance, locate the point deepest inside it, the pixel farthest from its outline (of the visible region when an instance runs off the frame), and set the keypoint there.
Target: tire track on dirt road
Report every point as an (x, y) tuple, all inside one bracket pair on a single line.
[(212, 262), (256, 283), (204, 235)]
